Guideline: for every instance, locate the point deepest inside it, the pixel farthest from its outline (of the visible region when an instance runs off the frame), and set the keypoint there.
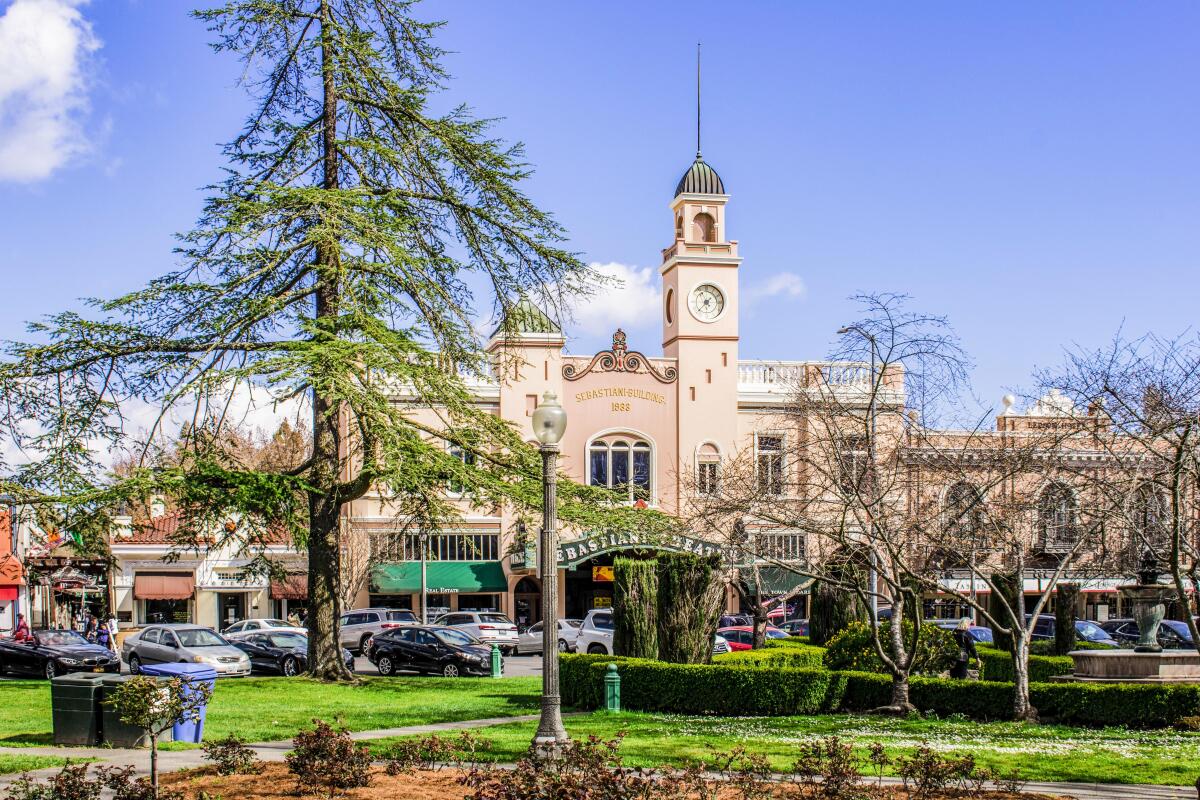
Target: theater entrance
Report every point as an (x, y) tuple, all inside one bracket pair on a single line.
[(589, 584)]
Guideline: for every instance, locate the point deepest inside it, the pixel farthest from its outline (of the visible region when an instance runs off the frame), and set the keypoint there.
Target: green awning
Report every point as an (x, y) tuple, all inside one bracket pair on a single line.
[(441, 577), (776, 580)]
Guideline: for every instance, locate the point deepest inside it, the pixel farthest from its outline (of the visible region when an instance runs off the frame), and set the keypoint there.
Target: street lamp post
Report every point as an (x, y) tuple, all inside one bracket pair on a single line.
[(873, 580), (549, 424)]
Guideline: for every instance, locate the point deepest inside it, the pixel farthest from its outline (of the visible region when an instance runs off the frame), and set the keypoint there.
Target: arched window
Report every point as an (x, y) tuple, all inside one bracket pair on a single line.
[(1148, 515), (964, 514), (704, 228), (1057, 518), (621, 463), (708, 469)]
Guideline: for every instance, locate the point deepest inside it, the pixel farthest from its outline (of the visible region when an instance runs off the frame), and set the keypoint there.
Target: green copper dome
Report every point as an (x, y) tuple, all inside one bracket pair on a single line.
[(700, 179)]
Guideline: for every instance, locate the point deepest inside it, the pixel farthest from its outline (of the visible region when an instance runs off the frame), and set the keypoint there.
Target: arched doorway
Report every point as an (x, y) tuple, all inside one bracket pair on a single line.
[(589, 584), (527, 602)]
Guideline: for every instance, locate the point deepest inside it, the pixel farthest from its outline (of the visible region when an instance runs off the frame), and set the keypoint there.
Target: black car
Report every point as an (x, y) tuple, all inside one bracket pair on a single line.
[(1172, 634), (56, 652), (430, 648), (1085, 630), (284, 652)]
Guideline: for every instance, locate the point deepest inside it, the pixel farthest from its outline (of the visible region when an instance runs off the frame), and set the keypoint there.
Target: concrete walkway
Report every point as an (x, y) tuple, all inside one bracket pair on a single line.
[(172, 760)]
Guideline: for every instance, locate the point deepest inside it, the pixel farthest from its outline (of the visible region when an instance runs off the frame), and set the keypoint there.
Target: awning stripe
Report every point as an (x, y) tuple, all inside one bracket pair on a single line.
[(441, 577), (164, 585)]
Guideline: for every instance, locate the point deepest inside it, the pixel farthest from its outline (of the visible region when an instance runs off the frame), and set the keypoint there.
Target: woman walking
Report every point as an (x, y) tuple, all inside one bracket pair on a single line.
[(966, 649)]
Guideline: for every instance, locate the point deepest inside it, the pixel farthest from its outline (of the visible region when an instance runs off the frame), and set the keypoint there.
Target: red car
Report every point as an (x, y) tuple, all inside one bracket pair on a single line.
[(741, 637)]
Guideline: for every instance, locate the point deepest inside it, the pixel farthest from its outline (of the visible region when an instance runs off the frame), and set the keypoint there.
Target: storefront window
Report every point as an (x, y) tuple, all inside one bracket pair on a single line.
[(479, 602), (159, 611)]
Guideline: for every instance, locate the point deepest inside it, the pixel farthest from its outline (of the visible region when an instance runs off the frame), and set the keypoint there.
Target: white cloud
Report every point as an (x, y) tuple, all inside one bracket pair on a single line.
[(45, 49), (781, 285), (632, 299)]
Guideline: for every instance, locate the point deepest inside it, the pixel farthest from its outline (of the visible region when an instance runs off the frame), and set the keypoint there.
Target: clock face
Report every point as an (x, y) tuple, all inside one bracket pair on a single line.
[(706, 302)]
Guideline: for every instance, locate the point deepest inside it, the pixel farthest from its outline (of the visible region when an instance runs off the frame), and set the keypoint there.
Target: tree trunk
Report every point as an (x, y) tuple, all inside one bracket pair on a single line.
[(760, 624), (900, 704), (1023, 709), (324, 504), (154, 765)]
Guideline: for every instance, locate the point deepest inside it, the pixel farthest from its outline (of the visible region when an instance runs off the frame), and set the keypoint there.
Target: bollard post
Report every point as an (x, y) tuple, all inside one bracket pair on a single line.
[(497, 663), (612, 689)]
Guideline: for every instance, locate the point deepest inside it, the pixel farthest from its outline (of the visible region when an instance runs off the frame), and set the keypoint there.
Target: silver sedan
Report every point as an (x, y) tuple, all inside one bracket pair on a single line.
[(162, 644), (531, 640)]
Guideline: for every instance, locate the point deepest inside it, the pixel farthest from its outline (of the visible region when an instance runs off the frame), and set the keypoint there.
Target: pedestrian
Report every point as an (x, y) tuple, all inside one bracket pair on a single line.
[(966, 649), (111, 625), (89, 626), (21, 633)]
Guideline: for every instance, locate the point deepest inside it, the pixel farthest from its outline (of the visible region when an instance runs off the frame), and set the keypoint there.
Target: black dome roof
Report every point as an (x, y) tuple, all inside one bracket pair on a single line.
[(700, 179)]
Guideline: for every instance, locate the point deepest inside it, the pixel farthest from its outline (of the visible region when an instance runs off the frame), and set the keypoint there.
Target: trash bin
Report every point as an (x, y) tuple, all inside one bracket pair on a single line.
[(193, 675), (115, 732), (74, 706)]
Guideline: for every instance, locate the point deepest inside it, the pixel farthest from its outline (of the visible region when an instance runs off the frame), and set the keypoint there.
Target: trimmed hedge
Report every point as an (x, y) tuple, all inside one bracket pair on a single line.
[(996, 665), (743, 689), (797, 656)]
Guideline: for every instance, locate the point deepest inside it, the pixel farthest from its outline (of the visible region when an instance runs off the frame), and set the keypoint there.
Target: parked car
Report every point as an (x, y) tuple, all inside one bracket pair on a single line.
[(741, 637), (56, 652), (1172, 634), (595, 635), (162, 644), (720, 645), (285, 652), (252, 625), (530, 641), (449, 652), (489, 627), (359, 625), (794, 627), (1085, 630), (979, 633), (729, 620)]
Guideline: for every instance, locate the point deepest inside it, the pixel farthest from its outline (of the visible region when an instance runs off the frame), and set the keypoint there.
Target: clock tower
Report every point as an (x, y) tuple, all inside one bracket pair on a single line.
[(700, 318)]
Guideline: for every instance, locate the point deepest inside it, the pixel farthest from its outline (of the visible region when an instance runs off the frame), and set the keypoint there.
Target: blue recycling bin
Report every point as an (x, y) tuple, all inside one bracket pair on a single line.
[(192, 674)]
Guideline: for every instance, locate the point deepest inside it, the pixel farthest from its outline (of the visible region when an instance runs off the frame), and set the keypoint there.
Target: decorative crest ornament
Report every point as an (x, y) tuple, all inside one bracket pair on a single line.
[(621, 359)]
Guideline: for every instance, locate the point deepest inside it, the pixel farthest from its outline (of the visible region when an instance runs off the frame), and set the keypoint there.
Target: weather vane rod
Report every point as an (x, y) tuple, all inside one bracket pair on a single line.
[(697, 100)]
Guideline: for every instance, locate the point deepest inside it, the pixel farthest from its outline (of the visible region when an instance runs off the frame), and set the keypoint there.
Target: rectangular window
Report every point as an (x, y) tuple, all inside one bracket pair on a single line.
[(641, 474), (599, 467), (468, 459), (396, 546), (708, 477), (769, 461), (853, 461), (781, 546), (620, 468)]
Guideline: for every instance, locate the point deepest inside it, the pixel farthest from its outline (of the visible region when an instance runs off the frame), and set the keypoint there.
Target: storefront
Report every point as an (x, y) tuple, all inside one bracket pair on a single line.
[(163, 596), (62, 588), (12, 578), (290, 596)]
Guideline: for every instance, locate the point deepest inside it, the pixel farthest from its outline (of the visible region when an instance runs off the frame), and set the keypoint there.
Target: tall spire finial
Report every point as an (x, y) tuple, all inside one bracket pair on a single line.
[(697, 101)]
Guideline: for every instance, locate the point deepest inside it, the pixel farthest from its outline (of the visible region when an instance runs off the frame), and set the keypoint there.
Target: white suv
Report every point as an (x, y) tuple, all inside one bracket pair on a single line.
[(597, 633), (490, 627)]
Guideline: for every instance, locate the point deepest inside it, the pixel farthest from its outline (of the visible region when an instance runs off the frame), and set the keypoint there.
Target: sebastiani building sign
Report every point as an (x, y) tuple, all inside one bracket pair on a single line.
[(573, 553)]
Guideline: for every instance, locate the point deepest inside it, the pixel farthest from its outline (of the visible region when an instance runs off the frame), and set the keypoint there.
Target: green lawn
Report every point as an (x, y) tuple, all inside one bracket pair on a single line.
[(10, 765), (1035, 752), (267, 709)]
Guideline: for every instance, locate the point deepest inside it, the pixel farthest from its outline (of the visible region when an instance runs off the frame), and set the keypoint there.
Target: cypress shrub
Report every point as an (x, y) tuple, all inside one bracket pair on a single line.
[(832, 609), (1009, 586), (690, 599), (635, 596), (1064, 618)]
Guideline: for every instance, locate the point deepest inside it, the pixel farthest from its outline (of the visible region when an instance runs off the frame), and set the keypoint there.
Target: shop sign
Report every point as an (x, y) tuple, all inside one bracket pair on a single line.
[(576, 552), (602, 574)]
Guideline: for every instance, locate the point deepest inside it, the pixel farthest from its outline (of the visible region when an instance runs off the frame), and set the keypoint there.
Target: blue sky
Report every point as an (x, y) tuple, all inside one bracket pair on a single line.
[(1029, 169)]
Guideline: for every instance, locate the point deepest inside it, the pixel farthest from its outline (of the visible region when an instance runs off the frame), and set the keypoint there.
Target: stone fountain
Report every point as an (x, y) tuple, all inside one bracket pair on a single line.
[(1147, 662)]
